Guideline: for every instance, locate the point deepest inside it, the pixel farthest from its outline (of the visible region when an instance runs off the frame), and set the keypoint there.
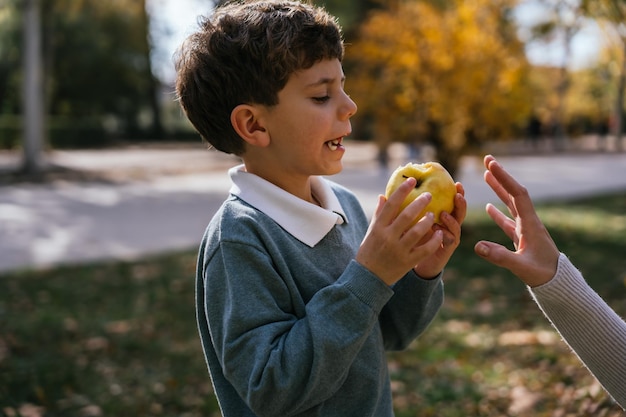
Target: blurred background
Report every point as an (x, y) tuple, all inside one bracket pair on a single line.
[(453, 74), (105, 190)]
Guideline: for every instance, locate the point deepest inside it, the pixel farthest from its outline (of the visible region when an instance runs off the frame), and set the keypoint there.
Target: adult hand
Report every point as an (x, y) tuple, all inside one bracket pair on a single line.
[(536, 255)]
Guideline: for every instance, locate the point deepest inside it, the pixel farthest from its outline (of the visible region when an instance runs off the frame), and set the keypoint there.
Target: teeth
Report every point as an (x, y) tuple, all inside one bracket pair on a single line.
[(333, 144)]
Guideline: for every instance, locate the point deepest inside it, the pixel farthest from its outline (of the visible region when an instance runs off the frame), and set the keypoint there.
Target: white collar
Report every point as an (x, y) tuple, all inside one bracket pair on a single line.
[(306, 222)]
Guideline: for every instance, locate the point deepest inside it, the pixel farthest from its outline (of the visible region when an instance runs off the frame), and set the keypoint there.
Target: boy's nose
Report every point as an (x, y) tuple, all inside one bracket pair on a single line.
[(350, 107)]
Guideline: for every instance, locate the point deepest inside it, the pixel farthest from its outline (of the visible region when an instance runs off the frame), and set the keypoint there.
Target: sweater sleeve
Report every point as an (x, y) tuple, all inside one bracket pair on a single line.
[(410, 311), (589, 326)]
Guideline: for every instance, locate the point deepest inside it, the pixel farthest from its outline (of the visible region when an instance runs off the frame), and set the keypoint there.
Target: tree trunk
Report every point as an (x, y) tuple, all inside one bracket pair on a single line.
[(33, 109), (619, 103), (560, 138), (446, 156), (153, 88), (450, 160)]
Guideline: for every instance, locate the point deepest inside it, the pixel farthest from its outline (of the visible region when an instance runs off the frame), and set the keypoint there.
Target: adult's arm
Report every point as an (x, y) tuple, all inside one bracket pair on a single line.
[(589, 326)]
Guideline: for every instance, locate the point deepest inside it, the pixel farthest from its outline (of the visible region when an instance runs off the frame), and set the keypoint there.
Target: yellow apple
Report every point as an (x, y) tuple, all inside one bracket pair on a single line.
[(431, 177)]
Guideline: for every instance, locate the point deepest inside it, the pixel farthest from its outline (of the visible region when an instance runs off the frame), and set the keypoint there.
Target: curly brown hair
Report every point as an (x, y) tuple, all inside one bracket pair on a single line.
[(245, 52)]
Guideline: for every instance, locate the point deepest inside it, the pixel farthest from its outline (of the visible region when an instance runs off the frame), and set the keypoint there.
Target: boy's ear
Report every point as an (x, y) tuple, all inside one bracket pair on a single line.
[(246, 122)]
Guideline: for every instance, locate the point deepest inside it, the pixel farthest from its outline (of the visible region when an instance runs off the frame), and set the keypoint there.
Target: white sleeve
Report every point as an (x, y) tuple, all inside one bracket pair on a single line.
[(589, 326)]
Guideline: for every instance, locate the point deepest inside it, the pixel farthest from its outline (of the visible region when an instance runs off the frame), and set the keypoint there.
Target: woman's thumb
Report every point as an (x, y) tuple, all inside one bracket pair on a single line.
[(494, 253)]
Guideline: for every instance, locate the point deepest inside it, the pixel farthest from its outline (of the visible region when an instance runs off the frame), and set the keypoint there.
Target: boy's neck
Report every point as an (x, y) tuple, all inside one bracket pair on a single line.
[(299, 187)]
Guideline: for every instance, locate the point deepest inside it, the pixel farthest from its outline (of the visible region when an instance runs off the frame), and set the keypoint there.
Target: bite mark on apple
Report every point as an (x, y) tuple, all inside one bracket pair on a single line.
[(418, 183)]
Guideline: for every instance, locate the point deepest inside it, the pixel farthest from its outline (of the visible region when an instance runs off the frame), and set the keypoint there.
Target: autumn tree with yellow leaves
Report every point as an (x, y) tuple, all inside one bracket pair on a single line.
[(452, 76)]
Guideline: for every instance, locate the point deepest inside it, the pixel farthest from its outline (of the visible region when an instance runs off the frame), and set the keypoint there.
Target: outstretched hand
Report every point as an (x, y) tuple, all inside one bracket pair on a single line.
[(536, 255)]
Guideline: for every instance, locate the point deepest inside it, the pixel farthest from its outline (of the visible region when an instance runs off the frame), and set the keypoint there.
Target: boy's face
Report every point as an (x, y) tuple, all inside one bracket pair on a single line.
[(309, 122)]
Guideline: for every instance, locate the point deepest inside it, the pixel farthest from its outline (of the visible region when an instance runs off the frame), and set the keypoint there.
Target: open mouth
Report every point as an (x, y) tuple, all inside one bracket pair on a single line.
[(334, 144)]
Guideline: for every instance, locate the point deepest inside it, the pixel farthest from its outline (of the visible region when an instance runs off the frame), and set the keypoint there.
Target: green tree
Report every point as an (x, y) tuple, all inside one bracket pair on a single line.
[(10, 73), (97, 68), (612, 13), (451, 77), (563, 19), (98, 61), (589, 100), (351, 13), (10, 55)]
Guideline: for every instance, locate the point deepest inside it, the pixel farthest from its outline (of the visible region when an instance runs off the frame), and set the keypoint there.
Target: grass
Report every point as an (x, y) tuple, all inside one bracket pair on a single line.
[(119, 339)]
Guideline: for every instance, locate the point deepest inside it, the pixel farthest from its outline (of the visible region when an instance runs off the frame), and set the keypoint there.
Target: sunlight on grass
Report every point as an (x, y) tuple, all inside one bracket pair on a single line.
[(590, 222)]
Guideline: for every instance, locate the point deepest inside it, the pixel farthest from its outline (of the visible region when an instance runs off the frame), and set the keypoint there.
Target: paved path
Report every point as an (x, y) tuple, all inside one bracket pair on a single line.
[(168, 208)]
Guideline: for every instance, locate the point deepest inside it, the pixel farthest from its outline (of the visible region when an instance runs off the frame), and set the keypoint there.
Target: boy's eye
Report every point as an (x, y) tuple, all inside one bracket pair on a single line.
[(322, 99)]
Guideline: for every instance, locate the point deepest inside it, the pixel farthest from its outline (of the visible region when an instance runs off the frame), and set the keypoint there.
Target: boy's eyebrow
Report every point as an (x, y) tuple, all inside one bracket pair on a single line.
[(325, 80)]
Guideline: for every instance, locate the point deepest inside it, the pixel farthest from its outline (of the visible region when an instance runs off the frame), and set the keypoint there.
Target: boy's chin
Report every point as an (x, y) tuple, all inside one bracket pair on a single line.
[(335, 169)]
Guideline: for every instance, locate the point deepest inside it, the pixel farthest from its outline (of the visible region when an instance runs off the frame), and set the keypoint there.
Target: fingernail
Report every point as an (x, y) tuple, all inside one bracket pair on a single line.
[(483, 250)]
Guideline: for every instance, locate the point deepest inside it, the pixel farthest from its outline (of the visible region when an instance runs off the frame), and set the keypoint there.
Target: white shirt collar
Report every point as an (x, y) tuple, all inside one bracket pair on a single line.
[(306, 222)]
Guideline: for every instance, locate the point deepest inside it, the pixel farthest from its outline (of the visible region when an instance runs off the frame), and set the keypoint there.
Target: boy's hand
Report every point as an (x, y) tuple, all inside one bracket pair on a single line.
[(536, 255), (451, 229), (392, 245)]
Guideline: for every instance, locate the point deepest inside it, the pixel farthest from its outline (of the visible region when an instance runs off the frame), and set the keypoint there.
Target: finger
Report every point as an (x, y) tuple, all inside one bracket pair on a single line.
[(532, 273), (414, 210), (504, 178), (391, 208), (411, 233), (460, 207), (460, 189), (429, 247), (517, 192), (451, 229), (487, 160), (451, 222), (528, 218), (379, 206), (502, 194), (403, 190), (497, 255), (495, 185), (505, 223)]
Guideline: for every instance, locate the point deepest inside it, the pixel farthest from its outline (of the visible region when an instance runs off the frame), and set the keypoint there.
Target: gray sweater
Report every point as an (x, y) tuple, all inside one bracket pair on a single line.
[(590, 327), (294, 329)]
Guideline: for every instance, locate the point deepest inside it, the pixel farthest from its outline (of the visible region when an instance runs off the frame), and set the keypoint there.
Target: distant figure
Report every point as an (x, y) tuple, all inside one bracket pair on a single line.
[(603, 133), (383, 158), (414, 152), (533, 131)]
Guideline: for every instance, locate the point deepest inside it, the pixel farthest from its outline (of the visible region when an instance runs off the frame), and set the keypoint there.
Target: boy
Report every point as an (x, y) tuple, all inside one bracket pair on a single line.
[(297, 299)]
